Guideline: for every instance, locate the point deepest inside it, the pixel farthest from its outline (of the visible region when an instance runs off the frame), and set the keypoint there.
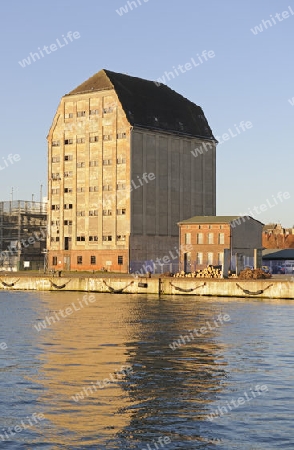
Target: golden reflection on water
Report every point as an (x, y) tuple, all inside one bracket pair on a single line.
[(113, 332), (81, 349)]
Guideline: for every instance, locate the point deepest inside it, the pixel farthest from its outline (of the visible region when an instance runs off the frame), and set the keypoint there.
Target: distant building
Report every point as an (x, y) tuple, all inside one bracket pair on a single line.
[(23, 226), (127, 160), (209, 236), (274, 236)]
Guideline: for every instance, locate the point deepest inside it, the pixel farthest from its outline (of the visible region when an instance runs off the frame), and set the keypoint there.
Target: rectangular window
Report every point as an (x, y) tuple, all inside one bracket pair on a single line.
[(187, 238), (221, 238), (120, 260), (93, 188), (94, 112), (81, 238), (120, 186), (93, 259), (93, 163), (81, 113), (56, 176), (107, 137), (220, 259), (54, 239), (55, 191), (67, 222), (93, 238), (209, 259), (55, 223), (68, 190), (81, 164), (54, 261), (210, 238), (121, 212), (80, 189), (68, 157), (68, 174), (107, 212), (121, 135), (93, 212), (55, 143), (55, 207), (68, 141), (55, 159), (80, 140), (107, 187), (199, 238), (68, 206), (68, 115), (121, 160), (67, 243), (121, 237), (199, 258), (94, 139), (79, 260), (106, 238), (80, 213), (107, 110), (107, 162)]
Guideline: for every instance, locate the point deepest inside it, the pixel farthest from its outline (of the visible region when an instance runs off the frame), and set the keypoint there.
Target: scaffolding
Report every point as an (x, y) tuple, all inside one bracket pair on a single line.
[(23, 229)]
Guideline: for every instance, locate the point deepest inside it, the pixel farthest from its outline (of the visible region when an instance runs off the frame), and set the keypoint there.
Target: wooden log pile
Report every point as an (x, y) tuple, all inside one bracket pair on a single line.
[(253, 274), (208, 272)]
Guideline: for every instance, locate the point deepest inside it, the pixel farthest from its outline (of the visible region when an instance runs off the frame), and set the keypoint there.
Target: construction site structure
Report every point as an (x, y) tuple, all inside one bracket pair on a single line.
[(23, 231)]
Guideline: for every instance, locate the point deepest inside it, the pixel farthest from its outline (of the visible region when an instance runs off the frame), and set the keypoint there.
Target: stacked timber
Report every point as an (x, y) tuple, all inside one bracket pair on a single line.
[(253, 274), (208, 272)]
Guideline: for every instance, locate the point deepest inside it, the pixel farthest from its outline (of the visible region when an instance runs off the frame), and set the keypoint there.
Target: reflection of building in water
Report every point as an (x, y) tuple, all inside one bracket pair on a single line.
[(170, 390), (80, 350)]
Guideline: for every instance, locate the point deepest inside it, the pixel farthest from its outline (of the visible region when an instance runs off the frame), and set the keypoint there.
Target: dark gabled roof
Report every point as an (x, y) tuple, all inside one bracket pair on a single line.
[(151, 105), (287, 253), (216, 219)]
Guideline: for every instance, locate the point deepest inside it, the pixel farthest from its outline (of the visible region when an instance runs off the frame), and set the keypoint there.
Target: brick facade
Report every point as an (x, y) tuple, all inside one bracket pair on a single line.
[(214, 237), (208, 237)]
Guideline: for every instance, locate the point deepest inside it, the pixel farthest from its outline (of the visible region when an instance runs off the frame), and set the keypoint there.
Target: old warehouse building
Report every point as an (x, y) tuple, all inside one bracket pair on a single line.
[(123, 171)]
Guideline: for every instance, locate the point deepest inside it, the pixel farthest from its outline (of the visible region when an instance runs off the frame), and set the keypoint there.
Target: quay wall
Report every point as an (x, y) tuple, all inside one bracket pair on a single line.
[(162, 286)]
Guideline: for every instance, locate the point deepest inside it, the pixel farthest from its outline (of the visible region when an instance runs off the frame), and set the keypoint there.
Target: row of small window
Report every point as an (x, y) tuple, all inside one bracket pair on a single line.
[(209, 226), (105, 162), (92, 212), (209, 260), (105, 187), (79, 189), (200, 238), (105, 137), (120, 260), (92, 112), (107, 238)]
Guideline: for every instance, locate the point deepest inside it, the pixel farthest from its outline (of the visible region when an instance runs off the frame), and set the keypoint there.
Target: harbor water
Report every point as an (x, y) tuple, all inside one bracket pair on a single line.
[(101, 371)]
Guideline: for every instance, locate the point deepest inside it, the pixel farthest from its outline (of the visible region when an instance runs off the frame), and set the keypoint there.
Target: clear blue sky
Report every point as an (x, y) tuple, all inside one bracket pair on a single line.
[(250, 79)]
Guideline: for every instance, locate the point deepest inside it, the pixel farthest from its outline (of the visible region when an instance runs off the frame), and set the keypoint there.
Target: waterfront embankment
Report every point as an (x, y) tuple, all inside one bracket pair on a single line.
[(270, 288)]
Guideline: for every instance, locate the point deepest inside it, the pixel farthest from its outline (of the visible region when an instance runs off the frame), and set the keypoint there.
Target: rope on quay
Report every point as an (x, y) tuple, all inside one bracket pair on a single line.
[(62, 286), (246, 291), (9, 284), (177, 288), (116, 291)]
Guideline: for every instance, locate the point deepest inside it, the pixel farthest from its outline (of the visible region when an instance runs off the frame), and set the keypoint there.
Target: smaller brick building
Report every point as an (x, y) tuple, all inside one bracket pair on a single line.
[(209, 236)]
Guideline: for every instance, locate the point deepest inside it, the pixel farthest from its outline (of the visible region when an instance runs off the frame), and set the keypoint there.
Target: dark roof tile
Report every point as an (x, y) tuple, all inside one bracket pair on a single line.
[(147, 104)]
